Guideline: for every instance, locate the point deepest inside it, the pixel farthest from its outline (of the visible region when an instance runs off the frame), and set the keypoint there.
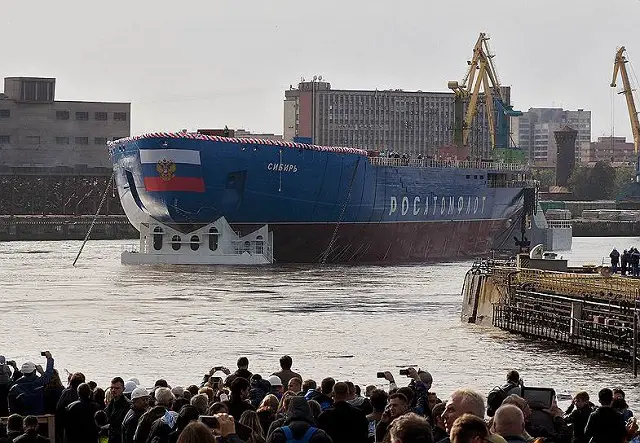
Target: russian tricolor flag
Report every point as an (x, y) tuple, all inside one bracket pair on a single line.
[(172, 170)]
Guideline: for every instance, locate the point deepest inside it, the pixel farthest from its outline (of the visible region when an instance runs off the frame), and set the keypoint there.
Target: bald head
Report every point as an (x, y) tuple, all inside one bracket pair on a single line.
[(508, 420)]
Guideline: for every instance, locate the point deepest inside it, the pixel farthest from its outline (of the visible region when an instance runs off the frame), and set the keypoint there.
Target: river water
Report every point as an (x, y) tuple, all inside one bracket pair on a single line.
[(349, 322)]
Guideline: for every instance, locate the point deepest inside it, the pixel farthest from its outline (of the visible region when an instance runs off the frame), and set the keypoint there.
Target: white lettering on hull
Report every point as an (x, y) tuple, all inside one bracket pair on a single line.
[(449, 205)]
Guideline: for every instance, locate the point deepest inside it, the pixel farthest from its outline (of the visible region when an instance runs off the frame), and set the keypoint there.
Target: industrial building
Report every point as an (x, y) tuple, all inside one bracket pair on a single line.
[(615, 150), (37, 130), (537, 125), (391, 120), (53, 154)]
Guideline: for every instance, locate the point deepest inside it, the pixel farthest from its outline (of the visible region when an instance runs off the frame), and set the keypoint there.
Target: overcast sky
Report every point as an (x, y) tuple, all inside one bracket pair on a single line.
[(191, 64)]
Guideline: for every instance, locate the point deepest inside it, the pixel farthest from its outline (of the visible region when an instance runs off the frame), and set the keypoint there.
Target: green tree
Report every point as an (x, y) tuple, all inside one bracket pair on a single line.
[(624, 176), (546, 177), (596, 183)]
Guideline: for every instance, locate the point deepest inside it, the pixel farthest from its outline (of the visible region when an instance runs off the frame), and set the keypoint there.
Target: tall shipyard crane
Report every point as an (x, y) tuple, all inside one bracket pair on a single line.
[(482, 73), (620, 66)]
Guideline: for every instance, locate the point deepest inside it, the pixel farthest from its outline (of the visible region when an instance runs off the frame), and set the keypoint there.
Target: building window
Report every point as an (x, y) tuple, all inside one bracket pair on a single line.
[(5, 139), (62, 115), (5, 113), (62, 140), (33, 139), (120, 116), (100, 116), (157, 238), (175, 242), (100, 140), (82, 140), (84, 116), (195, 242)]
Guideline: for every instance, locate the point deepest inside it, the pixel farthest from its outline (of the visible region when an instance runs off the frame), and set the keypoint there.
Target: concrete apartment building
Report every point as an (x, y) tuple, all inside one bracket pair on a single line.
[(243, 133), (609, 149), (413, 122), (38, 131), (535, 130)]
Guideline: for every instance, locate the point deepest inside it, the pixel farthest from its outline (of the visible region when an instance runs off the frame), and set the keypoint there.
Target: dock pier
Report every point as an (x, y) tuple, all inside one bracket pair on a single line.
[(584, 309)]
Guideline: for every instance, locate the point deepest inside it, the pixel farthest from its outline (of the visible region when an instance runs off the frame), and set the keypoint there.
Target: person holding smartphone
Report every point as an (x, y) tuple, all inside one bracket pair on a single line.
[(26, 395)]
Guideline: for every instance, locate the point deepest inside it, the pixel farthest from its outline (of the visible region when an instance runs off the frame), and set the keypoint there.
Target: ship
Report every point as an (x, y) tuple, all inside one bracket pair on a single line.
[(322, 204)]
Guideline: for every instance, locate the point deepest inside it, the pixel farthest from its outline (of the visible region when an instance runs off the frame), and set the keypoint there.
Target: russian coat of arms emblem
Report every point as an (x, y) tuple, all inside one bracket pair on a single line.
[(166, 168)]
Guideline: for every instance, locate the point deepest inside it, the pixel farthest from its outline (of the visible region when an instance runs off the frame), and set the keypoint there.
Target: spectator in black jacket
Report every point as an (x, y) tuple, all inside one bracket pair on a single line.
[(578, 415), (243, 371), (80, 423), (31, 432), (605, 425), (116, 410), (238, 403), (69, 395), (139, 405), (164, 399), (14, 428), (344, 423)]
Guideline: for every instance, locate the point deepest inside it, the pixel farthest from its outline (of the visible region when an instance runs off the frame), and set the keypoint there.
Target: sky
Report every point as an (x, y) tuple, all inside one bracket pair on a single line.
[(195, 64)]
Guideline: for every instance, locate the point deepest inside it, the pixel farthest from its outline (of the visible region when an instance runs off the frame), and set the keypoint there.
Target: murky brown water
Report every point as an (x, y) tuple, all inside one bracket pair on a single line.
[(348, 322)]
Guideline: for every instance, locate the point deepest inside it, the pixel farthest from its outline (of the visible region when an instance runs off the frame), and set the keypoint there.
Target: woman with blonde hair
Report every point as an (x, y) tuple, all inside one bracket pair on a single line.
[(284, 402), (267, 411), (251, 420)]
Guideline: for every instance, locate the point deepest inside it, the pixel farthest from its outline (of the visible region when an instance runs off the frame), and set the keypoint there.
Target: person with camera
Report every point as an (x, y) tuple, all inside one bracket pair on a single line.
[(26, 396)]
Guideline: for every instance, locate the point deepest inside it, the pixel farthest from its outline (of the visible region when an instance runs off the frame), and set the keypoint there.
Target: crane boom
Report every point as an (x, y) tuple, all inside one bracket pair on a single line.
[(620, 67), (482, 73)]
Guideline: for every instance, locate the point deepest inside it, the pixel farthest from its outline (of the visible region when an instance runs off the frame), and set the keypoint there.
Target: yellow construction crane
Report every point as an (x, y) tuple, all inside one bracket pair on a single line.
[(620, 65), (482, 72)]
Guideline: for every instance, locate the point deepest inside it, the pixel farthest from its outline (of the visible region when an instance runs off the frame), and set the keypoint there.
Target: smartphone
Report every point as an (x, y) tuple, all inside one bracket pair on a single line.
[(380, 375), (215, 380), (404, 372), (210, 421), (43, 353)]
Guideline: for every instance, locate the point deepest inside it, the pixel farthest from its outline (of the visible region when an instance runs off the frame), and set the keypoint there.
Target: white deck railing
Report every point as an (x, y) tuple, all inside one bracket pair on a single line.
[(431, 163)]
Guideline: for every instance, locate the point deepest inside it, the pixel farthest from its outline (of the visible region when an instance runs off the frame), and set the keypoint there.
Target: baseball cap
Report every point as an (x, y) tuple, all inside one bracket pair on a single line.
[(139, 393), (274, 380), (28, 367)]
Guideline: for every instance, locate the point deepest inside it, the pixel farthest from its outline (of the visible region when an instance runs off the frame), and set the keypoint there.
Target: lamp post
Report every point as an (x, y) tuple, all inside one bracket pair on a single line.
[(316, 78)]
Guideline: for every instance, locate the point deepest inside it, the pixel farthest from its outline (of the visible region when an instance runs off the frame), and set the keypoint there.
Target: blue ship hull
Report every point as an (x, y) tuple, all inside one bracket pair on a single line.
[(333, 204)]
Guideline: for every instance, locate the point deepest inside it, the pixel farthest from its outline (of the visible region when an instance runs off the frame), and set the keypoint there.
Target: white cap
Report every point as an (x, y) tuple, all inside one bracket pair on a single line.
[(274, 380), (129, 387), (135, 380), (139, 393), (28, 367)]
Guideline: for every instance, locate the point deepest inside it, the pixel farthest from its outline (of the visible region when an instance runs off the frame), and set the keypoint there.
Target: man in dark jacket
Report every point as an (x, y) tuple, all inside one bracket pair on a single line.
[(322, 397), (299, 422), (116, 410), (69, 395), (605, 425), (31, 432), (344, 423), (243, 371), (26, 395), (139, 405), (238, 403), (80, 423), (164, 399), (14, 428), (577, 416)]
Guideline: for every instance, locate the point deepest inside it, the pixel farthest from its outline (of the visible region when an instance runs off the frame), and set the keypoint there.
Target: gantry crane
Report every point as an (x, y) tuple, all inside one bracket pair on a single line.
[(620, 66), (482, 72)]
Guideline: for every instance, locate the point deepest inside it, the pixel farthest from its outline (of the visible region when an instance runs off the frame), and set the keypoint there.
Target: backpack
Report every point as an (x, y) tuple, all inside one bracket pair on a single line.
[(306, 438), (496, 396)]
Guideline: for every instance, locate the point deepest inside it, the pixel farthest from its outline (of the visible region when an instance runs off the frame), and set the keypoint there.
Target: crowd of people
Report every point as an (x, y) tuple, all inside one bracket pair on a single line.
[(284, 407), (627, 263)]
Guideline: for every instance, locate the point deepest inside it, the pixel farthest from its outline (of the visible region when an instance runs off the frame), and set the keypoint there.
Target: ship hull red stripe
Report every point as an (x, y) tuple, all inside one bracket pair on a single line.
[(179, 184)]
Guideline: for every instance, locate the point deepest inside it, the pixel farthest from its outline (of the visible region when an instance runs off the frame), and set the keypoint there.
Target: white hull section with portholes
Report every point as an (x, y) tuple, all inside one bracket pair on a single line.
[(213, 244)]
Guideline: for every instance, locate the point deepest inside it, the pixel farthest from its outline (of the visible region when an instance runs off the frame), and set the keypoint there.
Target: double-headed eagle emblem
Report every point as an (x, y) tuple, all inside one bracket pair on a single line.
[(166, 168)]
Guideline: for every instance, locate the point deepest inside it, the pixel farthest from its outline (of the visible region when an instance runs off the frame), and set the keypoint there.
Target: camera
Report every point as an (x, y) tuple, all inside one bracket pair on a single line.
[(43, 353), (404, 372), (215, 380), (380, 375), (210, 421)]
